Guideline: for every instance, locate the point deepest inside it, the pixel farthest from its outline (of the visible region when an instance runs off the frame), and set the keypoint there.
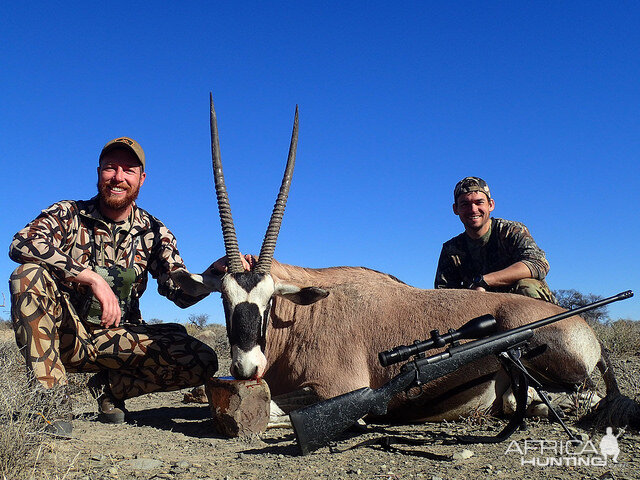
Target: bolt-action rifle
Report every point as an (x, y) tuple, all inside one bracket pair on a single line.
[(319, 424)]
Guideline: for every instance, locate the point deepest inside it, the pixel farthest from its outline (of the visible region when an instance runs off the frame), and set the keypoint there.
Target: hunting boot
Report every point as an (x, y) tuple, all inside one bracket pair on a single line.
[(110, 410)]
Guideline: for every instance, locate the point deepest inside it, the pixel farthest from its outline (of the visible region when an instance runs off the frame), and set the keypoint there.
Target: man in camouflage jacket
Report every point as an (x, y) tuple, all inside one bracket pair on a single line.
[(492, 254), (75, 296)]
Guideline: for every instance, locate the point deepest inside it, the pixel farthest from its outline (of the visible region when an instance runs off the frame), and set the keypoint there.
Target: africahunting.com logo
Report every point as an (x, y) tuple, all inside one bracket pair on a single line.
[(568, 453)]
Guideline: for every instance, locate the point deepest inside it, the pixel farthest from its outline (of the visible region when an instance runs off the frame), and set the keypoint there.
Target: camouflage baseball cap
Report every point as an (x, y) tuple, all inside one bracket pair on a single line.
[(126, 142), (471, 184)]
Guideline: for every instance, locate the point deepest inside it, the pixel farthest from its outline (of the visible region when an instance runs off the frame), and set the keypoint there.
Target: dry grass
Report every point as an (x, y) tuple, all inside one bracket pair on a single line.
[(621, 340), (23, 411), (620, 337), (215, 335)]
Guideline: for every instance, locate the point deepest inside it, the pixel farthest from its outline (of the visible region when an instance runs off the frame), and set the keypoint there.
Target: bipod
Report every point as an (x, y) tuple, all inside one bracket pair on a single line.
[(511, 360)]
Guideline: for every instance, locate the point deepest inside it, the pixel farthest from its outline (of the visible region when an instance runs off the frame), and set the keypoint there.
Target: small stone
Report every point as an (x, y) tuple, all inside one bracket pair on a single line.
[(113, 471), (98, 457), (183, 464), (583, 437), (142, 463), (463, 455), (196, 395)]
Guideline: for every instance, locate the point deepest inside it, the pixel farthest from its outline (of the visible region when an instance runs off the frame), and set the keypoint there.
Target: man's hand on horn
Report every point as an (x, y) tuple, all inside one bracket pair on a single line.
[(220, 265)]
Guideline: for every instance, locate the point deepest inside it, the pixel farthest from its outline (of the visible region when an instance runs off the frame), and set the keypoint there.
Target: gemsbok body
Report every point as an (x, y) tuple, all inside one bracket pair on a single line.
[(332, 345), (323, 328)]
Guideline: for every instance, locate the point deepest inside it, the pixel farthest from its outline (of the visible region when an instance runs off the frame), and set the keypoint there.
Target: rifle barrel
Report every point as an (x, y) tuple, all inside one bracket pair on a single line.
[(574, 311)]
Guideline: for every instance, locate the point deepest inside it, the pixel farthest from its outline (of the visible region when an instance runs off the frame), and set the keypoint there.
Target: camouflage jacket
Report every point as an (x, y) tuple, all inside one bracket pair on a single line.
[(508, 242), (70, 236)]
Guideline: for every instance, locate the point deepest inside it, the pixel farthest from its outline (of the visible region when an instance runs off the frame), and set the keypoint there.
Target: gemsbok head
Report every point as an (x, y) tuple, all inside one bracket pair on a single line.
[(247, 295)]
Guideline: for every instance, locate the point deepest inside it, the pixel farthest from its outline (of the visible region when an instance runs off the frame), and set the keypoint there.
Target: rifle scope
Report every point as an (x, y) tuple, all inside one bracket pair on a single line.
[(475, 328)]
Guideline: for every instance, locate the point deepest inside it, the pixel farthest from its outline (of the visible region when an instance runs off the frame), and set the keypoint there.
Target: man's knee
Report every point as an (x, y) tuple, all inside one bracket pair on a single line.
[(31, 278), (531, 287), (35, 296)]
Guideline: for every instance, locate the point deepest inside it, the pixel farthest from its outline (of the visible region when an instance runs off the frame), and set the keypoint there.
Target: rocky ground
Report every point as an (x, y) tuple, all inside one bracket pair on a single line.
[(166, 438)]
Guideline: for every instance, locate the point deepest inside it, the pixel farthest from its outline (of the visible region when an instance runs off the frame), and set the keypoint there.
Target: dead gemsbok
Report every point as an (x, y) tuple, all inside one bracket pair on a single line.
[(323, 328)]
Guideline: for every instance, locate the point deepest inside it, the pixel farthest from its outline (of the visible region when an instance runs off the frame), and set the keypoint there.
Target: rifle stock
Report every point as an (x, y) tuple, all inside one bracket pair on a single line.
[(319, 424)]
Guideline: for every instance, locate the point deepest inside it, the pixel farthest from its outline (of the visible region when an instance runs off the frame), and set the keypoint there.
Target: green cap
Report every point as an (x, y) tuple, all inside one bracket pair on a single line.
[(125, 142), (471, 184)]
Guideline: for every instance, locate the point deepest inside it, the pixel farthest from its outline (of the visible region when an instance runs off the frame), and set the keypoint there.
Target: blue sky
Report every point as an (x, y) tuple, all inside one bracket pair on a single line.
[(398, 101)]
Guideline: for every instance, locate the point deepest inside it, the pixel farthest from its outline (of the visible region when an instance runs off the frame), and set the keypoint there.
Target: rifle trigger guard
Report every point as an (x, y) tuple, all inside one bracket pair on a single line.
[(415, 384)]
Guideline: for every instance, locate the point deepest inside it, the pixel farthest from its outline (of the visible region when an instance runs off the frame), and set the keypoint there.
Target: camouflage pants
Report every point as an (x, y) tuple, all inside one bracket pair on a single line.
[(530, 287), (139, 358)]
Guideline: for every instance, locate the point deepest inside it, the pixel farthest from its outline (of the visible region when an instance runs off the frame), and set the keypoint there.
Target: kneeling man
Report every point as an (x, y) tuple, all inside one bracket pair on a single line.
[(492, 254)]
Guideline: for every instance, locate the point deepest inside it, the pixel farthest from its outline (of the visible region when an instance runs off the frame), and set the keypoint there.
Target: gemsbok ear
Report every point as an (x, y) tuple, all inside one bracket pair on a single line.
[(300, 296)]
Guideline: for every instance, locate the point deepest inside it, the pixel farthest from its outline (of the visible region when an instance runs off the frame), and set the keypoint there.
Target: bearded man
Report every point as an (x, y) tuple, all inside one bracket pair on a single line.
[(75, 296)]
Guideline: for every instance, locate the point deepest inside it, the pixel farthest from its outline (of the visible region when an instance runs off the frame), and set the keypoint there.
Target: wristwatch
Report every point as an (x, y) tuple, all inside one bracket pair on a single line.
[(478, 281)]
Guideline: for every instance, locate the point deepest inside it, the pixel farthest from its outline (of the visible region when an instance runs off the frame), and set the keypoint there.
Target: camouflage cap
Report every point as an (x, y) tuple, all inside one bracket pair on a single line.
[(471, 184), (126, 142)]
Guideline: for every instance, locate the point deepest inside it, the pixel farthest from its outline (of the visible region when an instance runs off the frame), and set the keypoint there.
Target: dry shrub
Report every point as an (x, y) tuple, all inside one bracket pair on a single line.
[(620, 337), (215, 335), (21, 414), (621, 341), (25, 409), (192, 329)]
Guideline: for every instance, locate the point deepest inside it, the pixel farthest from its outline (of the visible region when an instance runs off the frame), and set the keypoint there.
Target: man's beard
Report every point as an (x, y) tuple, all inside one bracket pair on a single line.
[(118, 203)]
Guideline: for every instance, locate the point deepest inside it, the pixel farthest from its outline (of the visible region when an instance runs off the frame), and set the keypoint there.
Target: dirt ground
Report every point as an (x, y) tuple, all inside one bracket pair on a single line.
[(168, 439)]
